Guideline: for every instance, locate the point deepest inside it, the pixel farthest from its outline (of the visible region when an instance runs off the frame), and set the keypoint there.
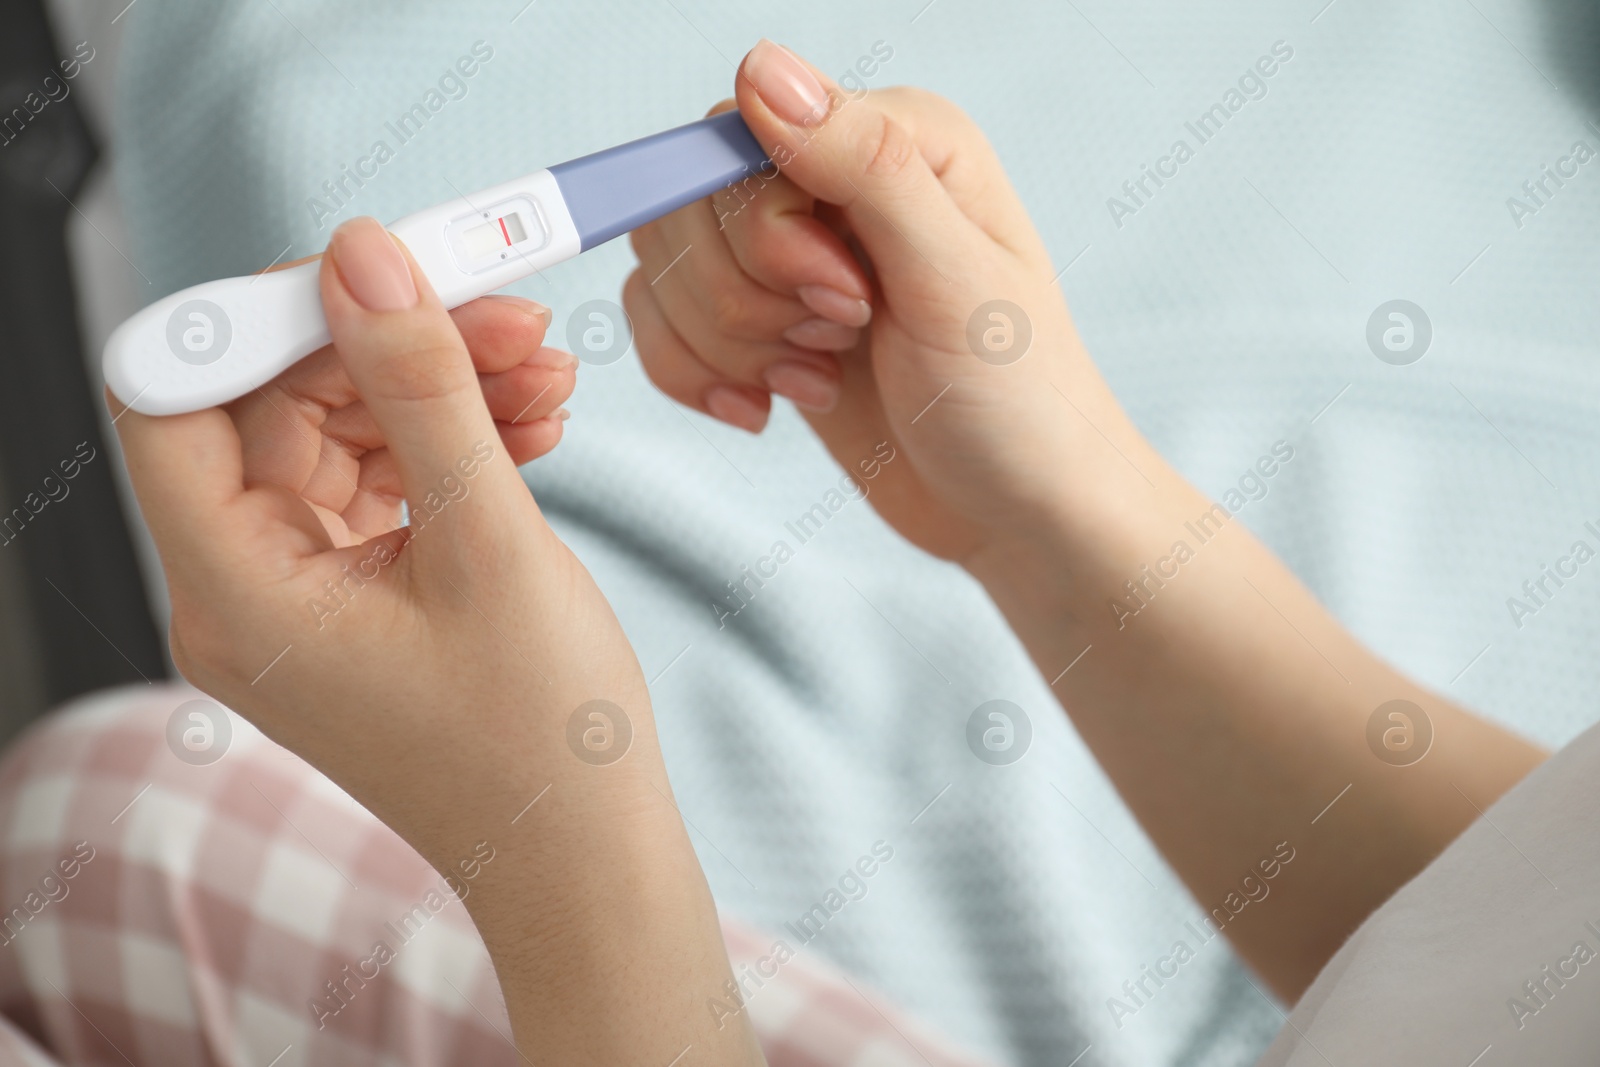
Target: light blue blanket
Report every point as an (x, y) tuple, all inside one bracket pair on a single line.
[(1229, 304)]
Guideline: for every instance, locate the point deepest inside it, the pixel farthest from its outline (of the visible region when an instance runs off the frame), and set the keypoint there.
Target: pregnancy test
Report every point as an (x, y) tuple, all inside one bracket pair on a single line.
[(214, 342)]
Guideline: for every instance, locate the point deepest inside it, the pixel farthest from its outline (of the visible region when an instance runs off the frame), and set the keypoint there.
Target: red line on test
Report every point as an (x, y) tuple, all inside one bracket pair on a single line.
[(503, 229)]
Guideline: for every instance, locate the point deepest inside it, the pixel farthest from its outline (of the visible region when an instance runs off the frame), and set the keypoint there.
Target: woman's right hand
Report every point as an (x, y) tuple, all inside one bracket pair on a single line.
[(889, 282), (1234, 707)]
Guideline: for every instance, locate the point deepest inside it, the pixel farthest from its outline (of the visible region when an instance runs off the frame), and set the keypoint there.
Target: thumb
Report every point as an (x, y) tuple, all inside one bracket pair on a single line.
[(853, 152), (411, 368)]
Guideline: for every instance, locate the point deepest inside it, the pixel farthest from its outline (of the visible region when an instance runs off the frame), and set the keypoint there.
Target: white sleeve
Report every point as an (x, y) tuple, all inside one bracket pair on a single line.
[(1490, 956)]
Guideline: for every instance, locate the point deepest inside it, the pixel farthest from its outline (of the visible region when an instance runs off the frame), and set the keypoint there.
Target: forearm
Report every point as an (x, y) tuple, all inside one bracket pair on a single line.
[(616, 965), (1231, 710), (601, 926)]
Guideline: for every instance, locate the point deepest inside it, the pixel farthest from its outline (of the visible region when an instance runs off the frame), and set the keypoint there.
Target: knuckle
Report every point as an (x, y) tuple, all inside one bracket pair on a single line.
[(432, 369), (731, 313), (885, 149)]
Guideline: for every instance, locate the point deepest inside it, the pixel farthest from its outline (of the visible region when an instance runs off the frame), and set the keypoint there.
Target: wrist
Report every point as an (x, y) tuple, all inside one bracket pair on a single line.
[(1071, 479), (568, 865), (560, 785), (1091, 559), (605, 938)]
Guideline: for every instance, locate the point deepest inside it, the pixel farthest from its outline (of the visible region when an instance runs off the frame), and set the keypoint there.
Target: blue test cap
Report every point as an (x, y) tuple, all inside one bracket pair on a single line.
[(622, 188)]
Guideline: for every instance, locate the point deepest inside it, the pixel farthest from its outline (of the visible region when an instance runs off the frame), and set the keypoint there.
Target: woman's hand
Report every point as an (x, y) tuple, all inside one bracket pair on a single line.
[(444, 673), (279, 523), (885, 283), (310, 431), (863, 283)]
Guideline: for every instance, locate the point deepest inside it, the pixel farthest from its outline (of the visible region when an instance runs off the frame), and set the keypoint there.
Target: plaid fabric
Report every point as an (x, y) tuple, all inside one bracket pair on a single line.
[(166, 912)]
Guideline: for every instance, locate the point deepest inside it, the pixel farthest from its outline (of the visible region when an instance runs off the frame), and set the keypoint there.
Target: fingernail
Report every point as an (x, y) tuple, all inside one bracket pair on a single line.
[(785, 84), (532, 307), (830, 303), (372, 266), (551, 359), (822, 334), (805, 385), (558, 415), (736, 407)]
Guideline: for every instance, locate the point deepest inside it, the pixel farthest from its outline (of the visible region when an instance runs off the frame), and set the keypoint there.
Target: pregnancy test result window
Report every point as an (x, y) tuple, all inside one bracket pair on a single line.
[(486, 239), (503, 232)]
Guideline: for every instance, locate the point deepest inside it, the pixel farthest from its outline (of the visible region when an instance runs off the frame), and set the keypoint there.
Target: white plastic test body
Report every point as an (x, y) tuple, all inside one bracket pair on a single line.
[(214, 342)]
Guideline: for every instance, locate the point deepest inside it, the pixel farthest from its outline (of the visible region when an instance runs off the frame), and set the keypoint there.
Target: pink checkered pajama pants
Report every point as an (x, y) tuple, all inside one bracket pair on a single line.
[(166, 912)]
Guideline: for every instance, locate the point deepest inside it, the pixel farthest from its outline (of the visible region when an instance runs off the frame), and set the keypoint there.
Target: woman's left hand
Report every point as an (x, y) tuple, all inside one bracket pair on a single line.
[(451, 672)]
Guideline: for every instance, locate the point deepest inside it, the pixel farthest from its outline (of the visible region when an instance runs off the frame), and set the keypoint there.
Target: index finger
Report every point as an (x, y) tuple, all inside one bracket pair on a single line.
[(774, 236)]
